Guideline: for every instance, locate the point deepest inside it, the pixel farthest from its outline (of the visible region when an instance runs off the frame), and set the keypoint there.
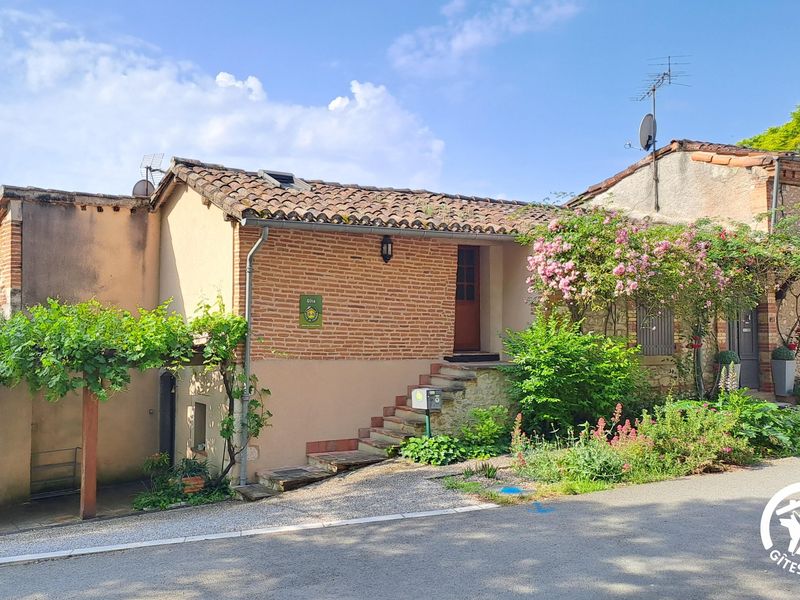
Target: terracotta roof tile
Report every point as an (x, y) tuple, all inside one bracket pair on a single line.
[(242, 193)]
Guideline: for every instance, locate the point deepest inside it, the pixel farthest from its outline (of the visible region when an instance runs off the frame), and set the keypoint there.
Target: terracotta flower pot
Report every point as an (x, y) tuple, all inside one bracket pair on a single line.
[(192, 485)]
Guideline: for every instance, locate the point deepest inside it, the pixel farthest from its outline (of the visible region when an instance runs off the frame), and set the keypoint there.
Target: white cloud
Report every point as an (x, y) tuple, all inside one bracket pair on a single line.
[(79, 114), (443, 49), (454, 7)]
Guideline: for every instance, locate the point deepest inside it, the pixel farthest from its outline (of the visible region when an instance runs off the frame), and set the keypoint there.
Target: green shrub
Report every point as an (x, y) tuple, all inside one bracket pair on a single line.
[(692, 439), (763, 424), (160, 499), (158, 467), (488, 432), (534, 457), (727, 357), (561, 377), (438, 450), (191, 467), (782, 353), (593, 459), (166, 488)]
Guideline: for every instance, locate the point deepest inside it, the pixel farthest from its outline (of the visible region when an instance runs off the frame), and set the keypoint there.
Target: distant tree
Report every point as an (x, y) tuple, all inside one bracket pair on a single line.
[(782, 138)]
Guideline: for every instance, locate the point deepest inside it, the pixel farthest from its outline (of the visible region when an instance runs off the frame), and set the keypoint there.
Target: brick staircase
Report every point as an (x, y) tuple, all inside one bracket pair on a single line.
[(400, 421), (374, 443)]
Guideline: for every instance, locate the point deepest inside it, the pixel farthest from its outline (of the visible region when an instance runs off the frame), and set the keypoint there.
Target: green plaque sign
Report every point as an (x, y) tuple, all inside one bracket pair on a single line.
[(310, 311)]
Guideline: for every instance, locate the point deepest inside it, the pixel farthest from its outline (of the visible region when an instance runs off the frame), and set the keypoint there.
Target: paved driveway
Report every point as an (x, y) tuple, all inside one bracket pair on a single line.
[(691, 538)]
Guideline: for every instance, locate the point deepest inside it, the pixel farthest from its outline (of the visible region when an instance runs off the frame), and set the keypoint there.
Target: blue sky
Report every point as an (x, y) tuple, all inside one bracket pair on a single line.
[(507, 98)]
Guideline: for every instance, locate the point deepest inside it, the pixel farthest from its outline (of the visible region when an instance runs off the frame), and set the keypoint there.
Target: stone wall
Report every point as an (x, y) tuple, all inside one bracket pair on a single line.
[(487, 389)]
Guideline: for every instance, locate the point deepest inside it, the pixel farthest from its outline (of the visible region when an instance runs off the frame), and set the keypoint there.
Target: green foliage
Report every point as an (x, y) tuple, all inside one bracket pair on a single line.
[(728, 357), (159, 469), (694, 439), (167, 490), (487, 469), (561, 377), (782, 138), (488, 432), (763, 424), (60, 348), (438, 450), (191, 467), (679, 439), (783, 353), (224, 333), (592, 459)]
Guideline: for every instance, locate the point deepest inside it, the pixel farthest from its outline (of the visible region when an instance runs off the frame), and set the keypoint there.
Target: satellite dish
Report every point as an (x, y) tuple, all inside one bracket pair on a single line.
[(647, 132), (143, 187)]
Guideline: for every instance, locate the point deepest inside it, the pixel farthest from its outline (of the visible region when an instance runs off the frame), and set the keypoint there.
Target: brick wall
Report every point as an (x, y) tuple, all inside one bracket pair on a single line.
[(10, 263), (371, 309)]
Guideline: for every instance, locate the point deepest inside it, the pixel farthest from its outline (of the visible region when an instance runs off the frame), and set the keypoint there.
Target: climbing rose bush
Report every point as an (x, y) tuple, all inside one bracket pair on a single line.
[(588, 260)]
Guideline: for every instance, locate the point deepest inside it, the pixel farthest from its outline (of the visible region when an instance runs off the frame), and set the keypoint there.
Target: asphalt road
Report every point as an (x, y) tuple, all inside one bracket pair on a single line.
[(691, 538)]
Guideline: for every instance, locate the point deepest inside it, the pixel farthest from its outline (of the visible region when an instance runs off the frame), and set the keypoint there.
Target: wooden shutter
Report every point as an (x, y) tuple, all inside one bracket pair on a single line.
[(655, 331)]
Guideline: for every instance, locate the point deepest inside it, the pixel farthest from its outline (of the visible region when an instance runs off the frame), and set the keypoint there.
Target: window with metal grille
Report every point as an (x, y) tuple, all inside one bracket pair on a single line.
[(655, 331)]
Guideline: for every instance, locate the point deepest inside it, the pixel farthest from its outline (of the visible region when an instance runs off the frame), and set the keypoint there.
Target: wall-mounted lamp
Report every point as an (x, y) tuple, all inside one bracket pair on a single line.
[(386, 248)]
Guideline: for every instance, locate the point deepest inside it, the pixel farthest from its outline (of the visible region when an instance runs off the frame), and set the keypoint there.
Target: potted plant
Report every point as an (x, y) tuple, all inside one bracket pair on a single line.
[(783, 369), (730, 366), (193, 474)]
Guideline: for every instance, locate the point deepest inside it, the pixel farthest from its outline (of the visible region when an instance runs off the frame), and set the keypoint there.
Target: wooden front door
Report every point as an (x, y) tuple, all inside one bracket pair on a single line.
[(743, 339), (468, 304)]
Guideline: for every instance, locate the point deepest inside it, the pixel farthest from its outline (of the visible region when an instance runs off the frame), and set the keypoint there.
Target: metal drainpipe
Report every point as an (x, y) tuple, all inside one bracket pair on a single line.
[(248, 309), (776, 186)]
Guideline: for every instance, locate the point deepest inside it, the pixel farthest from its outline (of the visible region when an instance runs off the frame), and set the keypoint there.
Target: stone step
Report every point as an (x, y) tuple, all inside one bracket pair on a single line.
[(446, 382), (337, 462), (253, 492), (404, 426), (388, 435), (410, 414), (377, 447), (457, 372), (290, 478)]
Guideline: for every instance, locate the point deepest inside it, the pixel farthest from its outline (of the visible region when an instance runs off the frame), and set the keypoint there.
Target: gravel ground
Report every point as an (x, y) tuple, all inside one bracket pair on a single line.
[(387, 488)]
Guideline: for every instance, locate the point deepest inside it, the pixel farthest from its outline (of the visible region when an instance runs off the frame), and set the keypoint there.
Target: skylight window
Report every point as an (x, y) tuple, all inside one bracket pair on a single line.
[(285, 180)]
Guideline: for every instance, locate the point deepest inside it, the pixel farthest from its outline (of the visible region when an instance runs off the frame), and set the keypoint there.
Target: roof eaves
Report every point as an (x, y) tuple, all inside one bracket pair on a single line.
[(34, 194)]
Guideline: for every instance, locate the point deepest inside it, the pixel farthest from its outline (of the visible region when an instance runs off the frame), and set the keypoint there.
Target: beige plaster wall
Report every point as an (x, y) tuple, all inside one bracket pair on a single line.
[(15, 444), (491, 294), (517, 310), (314, 400), (193, 385), (689, 190), (75, 254), (196, 260)]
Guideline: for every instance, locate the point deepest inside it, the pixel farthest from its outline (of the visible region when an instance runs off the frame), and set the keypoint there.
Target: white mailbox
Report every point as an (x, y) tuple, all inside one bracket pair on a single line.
[(426, 398)]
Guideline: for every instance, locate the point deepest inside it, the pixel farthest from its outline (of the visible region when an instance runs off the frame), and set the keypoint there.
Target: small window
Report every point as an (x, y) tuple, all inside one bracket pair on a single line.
[(199, 427), (655, 331)]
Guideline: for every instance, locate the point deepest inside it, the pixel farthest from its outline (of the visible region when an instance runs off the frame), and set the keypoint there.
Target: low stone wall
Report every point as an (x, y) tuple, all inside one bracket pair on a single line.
[(487, 389)]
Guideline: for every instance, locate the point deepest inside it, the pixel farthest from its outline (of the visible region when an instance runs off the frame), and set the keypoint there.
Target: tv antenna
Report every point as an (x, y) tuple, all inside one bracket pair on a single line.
[(151, 171), (666, 74)]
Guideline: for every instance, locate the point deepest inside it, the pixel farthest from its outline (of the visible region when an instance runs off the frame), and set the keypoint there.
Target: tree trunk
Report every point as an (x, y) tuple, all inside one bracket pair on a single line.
[(699, 384), (88, 507)]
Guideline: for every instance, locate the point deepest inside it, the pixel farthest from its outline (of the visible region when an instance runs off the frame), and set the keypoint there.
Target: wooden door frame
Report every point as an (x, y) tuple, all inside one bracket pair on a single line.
[(476, 301)]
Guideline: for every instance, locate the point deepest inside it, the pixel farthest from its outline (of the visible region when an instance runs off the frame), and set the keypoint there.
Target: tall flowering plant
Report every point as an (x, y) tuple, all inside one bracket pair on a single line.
[(589, 259)]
